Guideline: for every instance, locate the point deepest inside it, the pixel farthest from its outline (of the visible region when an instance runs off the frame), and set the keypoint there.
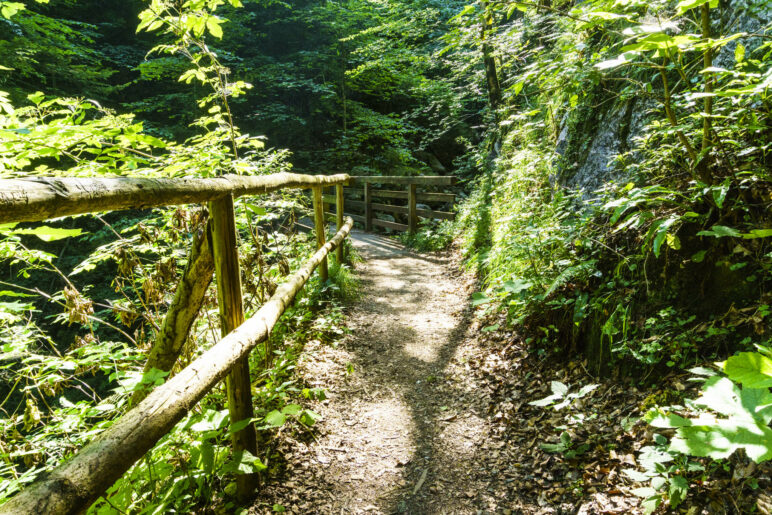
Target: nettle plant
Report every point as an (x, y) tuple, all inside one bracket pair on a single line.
[(732, 413), (560, 398)]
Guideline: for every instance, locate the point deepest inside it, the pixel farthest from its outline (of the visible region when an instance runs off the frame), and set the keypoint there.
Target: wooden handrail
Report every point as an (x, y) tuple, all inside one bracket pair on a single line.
[(423, 180), (37, 199), (411, 195), (75, 484)]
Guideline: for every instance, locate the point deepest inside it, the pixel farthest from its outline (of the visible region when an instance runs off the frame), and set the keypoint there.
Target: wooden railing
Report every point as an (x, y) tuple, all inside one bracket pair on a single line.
[(75, 484), (362, 200)]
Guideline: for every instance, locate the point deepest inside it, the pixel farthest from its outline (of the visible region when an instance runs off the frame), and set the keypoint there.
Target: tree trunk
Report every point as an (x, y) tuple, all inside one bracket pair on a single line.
[(187, 302)]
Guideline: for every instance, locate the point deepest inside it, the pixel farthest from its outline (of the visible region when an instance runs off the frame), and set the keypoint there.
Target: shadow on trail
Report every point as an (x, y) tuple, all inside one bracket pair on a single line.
[(408, 357)]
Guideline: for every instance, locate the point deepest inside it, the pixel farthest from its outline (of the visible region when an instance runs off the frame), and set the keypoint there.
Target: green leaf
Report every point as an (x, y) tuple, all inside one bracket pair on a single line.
[(516, 286), (546, 401), (309, 417), (558, 388), (275, 418), (243, 462), (46, 233), (685, 5), (645, 491), (636, 475), (480, 298), (751, 369), (677, 491), (720, 231), (292, 409), (36, 98), (241, 424), (758, 233), (650, 504), (213, 25)]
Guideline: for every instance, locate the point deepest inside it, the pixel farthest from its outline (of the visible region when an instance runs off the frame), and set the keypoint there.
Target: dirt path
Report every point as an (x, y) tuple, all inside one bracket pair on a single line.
[(406, 430)]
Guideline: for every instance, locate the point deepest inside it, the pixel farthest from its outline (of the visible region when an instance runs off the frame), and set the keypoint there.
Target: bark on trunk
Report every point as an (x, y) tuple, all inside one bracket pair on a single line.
[(187, 302)]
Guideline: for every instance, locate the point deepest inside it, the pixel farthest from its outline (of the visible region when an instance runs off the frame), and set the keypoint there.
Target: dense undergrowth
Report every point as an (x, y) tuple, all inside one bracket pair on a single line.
[(615, 166), (662, 261)]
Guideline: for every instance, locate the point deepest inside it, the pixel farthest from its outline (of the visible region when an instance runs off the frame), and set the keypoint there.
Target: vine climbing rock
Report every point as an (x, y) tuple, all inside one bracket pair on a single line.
[(405, 428)]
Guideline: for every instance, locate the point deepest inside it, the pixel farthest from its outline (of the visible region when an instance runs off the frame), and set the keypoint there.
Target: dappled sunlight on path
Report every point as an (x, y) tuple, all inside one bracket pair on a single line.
[(402, 425)]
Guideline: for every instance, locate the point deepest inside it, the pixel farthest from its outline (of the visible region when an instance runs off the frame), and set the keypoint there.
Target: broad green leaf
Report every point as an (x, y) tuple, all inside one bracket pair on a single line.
[(213, 25), (243, 462), (292, 409), (36, 98), (275, 418), (751, 369), (309, 417), (758, 233), (480, 298), (685, 5), (546, 401), (516, 286), (722, 440), (558, 388), (47, 233), (677, 491)]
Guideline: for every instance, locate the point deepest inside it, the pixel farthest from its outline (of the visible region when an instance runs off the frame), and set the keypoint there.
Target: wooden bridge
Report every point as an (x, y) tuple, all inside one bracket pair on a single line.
[(74, 485)]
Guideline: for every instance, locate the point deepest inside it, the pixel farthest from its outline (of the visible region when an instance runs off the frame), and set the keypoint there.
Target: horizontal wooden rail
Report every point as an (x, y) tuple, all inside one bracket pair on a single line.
[(74, 485), (422, 197), (37, 199), (389, 225), (423, 180), (332, 217)]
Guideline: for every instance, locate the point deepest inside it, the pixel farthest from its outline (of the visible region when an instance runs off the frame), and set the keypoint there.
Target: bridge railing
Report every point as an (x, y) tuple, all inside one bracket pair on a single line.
[(361, 199), (75, 484)]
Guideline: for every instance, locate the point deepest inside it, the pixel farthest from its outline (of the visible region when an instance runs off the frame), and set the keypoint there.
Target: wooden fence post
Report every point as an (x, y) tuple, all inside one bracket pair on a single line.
[(319, 229), (412, 216), (368, 208), (339, 219), (239, 386)]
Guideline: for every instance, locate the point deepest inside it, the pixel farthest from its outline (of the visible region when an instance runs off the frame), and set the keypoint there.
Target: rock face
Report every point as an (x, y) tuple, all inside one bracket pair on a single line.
[(589, 146), (613, 135), (749, 16)]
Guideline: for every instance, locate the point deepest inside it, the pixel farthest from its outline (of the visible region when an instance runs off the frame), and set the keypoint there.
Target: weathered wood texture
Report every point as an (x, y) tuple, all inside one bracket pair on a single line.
[(412, 216), (229, 297), (368, 199), (403, 210), (357, 218), (339, 207), (320, 229), (421, 197), (425, 180), (74, 485), (389, 225), (33, 200), (188, 299)]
